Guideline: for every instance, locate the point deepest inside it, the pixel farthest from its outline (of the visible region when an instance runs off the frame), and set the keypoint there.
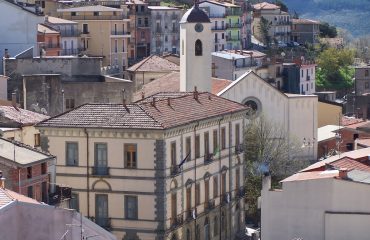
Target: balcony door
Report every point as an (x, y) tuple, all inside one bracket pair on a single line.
[(101, 210), (101, 162)]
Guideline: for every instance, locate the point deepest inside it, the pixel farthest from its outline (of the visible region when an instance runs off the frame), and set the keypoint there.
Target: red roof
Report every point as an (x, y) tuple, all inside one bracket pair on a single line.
[(21, 116), (350, 164), (301, 176), (347, 121), (7, 196)]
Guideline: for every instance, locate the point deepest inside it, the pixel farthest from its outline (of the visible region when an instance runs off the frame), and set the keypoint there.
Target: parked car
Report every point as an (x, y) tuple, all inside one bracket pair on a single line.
[(281, 44), (295, 44)]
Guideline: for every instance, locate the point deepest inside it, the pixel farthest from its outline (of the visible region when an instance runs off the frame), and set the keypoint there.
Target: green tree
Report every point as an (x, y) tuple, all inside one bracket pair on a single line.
[(282, 5), (327, 31), (335, 70), (267, 149), (264, 28)]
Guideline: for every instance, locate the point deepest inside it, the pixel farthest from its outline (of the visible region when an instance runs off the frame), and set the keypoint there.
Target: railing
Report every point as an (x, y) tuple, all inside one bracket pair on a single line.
[(239, 148), (177, 221), (208, 158), (100, 171), (85, 32), (103, 222), (92, 17), (65, 33), (119, 33), (175, 170), (66, 52), (218, 28), (228, 38), (233, 25), (241, 192), (209, 205), (143, 25), (191, 214), (52, 45)]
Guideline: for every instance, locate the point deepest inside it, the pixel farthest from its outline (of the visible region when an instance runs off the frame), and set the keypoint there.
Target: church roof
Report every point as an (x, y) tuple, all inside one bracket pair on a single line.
[(195, 15), (154, 63)]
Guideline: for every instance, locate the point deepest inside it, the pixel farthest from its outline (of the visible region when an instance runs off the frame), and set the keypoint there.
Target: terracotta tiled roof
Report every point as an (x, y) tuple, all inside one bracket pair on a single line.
[(95, 8), (301, 176), (20, 115), (304, 21), (350, 164), (41, 28), (154, 63), (346, 121), (171, 83), (169, 110), (7, 196), (265, 5)]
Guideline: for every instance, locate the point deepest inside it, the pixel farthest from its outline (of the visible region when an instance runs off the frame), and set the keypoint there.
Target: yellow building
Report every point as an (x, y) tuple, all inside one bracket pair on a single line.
[(328, 113), (104, 32), (167, 167)]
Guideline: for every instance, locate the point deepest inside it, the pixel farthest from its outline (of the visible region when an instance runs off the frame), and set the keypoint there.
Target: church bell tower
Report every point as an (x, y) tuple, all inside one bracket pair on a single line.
[(195, 50)]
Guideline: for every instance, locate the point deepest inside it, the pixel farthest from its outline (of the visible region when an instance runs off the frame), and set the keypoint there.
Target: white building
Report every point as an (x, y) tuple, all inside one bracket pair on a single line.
[(307, 78), (18, 29), (3, 87), (69, 34), (320, 204)]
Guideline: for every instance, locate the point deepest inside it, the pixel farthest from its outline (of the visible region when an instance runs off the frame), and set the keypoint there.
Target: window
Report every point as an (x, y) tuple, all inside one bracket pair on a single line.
[(37, 139), (355, 136), (206, 190), (101, 158), (366, 73), (123, 45), (366, 85), (139, 21), (70, 103), (71, 153), (101, 210), (73, 13), (188, 234), (44, 168), (198, 48), (166, 38), (197, 194), (302, 73), (215, 186), (131, 210), (115, 46), (188, 148), (96, 13), (85, 28), (223, 35), (215, 142), (223, 138), (30, 191), (223, 183), (215, 226), (142, 34), (146, 22), (237, 135), (197, 146), (74, 202), (188, 198), (206, 144), (207, 235), (173, 153), (173, 207), (237, 179), (29, 172), (130, 155)]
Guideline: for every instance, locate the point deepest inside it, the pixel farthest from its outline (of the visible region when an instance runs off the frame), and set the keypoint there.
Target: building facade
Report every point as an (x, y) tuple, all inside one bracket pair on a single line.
[(165, 29), (186, 170), (69, 34), (362, 80), (279, 22), (48, 41), (104, 32), (305, 31)]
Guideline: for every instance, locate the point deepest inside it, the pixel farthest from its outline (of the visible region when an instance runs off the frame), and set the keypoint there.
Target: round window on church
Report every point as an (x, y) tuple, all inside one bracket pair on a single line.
[(254, 106)]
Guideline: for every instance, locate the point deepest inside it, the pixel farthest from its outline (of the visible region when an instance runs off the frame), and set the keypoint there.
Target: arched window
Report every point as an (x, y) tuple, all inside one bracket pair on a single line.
[(198, 48), (207, 235), (215, 226), (188, 234)]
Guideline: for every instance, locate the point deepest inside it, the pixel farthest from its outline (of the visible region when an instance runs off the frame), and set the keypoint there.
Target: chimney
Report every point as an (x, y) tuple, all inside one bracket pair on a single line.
[(343, 173), (195, 93), (2, 180), (14, 100), (6, 53), (142, 95), (153, 102), (169, 101)]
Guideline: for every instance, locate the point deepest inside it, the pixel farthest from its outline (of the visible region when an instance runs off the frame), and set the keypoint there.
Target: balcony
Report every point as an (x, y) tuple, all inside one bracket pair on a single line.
[(177, 221), (104, 222), (120, 33), (175, 170), (232, 39), (226, 198), (100, 171), (65, 33), (208, 158), (191, 214), (217, 40), (218, 28), (233, 25), (69, 52), (241, 192), (209, 205), (239, 148)]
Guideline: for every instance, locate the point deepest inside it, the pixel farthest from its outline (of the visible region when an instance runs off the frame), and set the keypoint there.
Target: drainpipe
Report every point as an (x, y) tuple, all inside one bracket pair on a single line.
[(195, 180), (87, 173), (220, 183)]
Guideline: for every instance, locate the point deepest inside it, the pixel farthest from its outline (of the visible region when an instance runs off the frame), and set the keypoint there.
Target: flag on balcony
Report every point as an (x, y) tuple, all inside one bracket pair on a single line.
[(184, 160)]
